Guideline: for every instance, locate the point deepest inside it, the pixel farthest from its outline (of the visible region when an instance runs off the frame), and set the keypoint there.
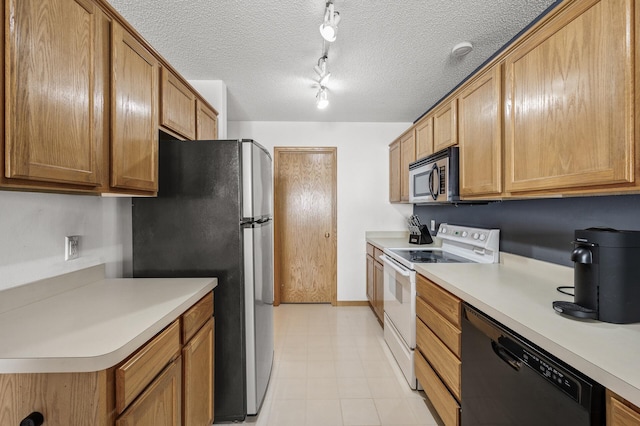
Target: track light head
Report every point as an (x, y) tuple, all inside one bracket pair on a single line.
[(329, 28), (321, 70), (322, 100)]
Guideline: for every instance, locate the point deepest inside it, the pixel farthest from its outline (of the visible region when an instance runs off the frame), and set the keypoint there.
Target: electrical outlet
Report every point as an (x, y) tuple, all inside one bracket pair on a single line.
[(71, 247), (433, 225)]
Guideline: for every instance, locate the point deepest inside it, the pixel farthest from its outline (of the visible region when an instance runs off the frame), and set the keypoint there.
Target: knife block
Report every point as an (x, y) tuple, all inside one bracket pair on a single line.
[(424, 237)]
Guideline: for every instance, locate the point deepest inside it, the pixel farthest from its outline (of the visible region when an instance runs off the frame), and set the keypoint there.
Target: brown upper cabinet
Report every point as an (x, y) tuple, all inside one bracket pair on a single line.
[(424, 137), (394, 172), (207, 122), (569, 101), (56, 81), (178, 111), (134, 114), (480, 135), (407, 156), (445, 126)]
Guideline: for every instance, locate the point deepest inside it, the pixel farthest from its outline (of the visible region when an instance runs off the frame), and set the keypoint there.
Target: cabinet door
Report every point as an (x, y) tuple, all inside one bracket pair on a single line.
[(424, 137), (134, 144), (207, 126), (394, 172), (445, 126), (569, 100), (480, 135), (55, 91), (198, 377), (178, 112), (407, 156), (379, 289), (370, 282), (160, 404)]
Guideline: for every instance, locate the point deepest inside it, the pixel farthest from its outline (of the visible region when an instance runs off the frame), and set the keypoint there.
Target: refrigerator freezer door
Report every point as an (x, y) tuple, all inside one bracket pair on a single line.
[(257, 181), (258, 264)]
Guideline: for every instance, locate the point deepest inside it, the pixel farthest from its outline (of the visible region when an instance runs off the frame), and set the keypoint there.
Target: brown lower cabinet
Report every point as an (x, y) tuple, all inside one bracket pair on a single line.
[(438, 344), (167, 382), (375, 281)]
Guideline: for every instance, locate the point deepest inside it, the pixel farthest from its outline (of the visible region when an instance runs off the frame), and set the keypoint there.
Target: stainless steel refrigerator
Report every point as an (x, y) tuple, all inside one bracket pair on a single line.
[(213, 217)]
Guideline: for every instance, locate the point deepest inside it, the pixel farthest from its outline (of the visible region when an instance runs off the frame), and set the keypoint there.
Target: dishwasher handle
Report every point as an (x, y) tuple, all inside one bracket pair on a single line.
[(506, 356)]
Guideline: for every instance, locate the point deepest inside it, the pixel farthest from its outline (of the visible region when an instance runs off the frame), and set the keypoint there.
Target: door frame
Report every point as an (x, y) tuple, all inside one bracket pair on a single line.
[(276, 228)]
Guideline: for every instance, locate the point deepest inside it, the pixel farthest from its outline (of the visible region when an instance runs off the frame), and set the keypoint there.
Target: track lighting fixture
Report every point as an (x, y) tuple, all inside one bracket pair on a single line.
[(321, 70), (322, 101), (329, 28)]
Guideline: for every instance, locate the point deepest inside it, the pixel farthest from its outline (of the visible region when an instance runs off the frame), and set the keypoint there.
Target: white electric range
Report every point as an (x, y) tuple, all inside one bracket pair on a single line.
[(460, 244)]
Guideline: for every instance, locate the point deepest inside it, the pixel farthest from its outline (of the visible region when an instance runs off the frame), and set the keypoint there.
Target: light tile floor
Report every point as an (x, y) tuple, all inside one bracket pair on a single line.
[(333, 368)]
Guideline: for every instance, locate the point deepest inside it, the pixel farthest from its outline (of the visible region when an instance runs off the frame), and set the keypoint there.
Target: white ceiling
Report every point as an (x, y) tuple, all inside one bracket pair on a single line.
[(391, 60)]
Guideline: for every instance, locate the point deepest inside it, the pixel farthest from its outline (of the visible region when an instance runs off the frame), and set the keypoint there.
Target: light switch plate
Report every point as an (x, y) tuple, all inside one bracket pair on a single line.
[(71, 247), (433, 225)]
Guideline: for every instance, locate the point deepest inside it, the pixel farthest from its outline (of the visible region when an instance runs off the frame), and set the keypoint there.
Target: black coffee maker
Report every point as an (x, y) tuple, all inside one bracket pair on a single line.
[(606, 276)]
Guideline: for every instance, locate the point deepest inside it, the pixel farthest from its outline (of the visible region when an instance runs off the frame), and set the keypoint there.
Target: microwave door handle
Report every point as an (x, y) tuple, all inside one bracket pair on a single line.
[(432, 188)]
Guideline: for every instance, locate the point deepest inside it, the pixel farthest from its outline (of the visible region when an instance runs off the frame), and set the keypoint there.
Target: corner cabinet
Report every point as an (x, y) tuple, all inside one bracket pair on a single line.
[(394, 172), (56, 82), (569, 101), (480, 135), (134, 114)]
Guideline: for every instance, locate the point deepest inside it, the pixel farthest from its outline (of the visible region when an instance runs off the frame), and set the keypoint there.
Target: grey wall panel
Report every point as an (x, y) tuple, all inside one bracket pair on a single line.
[(541, 229)]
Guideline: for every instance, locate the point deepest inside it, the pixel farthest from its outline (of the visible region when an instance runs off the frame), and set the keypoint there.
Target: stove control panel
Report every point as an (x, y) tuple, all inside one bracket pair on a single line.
[(475, 236), (482, 245)]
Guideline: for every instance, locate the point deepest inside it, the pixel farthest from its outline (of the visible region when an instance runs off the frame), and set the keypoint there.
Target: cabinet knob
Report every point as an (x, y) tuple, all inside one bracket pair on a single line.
[(34, 419), (327, 235)]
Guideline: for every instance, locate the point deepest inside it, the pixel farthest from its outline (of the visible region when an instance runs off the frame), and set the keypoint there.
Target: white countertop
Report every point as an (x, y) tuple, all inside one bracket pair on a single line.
[(518, 292), (92, 326)]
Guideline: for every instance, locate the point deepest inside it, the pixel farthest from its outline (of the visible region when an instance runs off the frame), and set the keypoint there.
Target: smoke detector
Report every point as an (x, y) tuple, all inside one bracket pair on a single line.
[(461, 49)]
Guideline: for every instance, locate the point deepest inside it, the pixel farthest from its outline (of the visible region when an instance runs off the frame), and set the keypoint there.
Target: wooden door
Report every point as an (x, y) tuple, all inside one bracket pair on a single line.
[(56, 89), (480, 135), (424, 137), (160, 404), (305, 225), (445, 126), (394, 172), (197, 356), (134, 112), (178, 110), (207, 126), (407, 156), (569, 100)]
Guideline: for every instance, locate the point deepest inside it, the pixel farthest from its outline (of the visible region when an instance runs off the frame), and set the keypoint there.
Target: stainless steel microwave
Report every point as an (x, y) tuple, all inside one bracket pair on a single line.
[(435, 179)]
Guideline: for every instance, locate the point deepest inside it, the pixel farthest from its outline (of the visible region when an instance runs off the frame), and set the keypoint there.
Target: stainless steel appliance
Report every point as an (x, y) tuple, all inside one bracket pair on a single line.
[(459, 245), (213, 217), (508, 380), (435, 179), (606, 276)]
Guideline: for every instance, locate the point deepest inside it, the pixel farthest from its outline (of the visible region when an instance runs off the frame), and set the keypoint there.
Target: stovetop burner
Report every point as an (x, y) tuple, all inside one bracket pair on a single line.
[(430, 256)]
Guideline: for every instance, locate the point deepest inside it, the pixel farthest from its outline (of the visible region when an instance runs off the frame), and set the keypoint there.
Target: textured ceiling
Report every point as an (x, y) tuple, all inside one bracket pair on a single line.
[(391, 60)]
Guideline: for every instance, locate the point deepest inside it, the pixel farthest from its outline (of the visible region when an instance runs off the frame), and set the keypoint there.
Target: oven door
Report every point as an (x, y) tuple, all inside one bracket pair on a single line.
[(400, 299)]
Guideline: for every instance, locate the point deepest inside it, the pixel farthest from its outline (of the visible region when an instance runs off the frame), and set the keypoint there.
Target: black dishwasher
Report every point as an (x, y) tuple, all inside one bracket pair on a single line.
[(507, 380)]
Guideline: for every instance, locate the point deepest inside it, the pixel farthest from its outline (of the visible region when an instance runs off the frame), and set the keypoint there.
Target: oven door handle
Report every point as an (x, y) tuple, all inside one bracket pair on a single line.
[(388, 262)]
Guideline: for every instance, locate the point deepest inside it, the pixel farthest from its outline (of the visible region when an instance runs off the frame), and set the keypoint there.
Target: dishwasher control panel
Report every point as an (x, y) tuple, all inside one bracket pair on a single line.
[(552, 373)]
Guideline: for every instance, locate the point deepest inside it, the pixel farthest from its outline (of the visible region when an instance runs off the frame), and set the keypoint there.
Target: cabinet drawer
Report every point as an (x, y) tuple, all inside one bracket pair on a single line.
[(621, 413), (143, 366), (197, 315), (370, 249), (448, 333), (442, 301), (445, 404), (443, 361), (376, 254)]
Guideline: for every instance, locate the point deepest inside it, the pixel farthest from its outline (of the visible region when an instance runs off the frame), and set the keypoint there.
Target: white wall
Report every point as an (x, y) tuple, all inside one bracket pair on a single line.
[(363, 184), (215, 92), (33, 227)]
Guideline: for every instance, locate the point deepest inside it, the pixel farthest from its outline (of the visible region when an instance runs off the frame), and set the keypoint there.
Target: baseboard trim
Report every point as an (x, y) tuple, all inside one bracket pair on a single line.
[(352, 303)]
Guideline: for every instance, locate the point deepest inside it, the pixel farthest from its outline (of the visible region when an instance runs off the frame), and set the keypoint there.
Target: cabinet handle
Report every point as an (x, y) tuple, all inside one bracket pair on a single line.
[(34, 419), (327, 235)]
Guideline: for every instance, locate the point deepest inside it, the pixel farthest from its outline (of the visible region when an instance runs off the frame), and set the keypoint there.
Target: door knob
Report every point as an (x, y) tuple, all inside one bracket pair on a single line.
[(327, 235)]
